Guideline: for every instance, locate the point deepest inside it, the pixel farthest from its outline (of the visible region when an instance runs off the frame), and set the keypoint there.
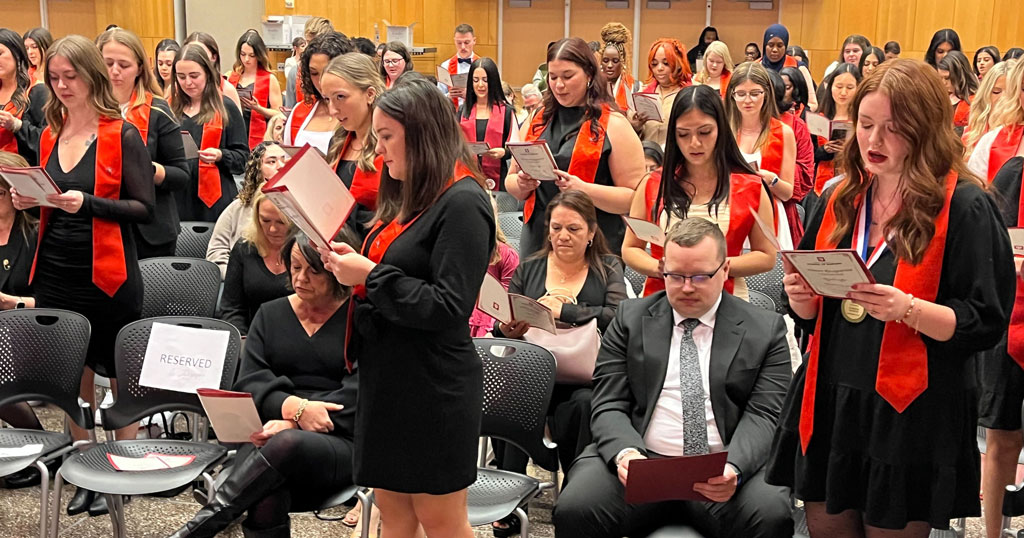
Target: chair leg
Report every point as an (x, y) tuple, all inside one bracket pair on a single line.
[(58, 486), (558, 487), (524, 522), (366, 500), (960, 528), (116, 503), (44, 497), (1005, 529)]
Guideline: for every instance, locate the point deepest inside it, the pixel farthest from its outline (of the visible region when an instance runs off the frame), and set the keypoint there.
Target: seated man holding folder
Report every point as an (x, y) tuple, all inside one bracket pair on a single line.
[(687, 371)]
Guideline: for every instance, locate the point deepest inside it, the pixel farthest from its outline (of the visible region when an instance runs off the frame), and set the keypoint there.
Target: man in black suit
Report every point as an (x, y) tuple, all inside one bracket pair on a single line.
[(690, 370)]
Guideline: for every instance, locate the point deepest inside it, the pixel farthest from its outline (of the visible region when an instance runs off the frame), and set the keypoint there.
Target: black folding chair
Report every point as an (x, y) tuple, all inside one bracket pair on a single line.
[(511, 224), (193, 239), (770, 284), (507, 203), (518, 380), (91, 469), (759, 299), (42, 353), (179, 286)]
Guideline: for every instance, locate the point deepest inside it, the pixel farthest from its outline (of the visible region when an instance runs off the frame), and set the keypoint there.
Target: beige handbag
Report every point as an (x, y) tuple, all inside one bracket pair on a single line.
[(575, 350)]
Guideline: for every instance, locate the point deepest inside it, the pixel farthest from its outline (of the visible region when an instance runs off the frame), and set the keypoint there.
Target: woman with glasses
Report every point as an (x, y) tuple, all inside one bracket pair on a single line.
[(712, 181), (394, 61)]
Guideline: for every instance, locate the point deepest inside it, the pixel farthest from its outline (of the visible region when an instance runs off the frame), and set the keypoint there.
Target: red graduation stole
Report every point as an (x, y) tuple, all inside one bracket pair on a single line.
[(365, 184), (744, 199), (7, 140), (493, 137), (301, 111), (453, 69), (723, 84), (962, 113), (790, 62), (382, 242), (1015, 336), (138, 115), (773, 148), (209, 175), (1003, 148), (261, 93), (109, 269), (300, 97), (625, 81), (586, 154), (903, 359)]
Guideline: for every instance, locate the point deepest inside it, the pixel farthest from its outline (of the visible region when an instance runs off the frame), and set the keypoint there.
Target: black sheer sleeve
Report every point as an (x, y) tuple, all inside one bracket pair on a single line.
[(166, 147), (137, 193)]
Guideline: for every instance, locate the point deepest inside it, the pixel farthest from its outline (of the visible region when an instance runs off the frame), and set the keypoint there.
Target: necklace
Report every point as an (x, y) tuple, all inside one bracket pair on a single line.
[(884, 207), (67, 140), (563, 277)]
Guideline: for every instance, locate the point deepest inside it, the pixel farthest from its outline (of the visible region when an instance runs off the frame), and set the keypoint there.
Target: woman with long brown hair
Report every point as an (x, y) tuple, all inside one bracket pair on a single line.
[(21, 115), (252, 74), (87, 260), (595, 148), (878, 431), (134, 87)]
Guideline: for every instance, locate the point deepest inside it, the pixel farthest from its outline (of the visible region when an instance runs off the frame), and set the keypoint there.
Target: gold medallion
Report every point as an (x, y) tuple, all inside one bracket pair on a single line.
[(853, 312)]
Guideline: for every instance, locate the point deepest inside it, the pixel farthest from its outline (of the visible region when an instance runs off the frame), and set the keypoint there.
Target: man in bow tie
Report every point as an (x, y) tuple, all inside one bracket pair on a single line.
[(465, 40)]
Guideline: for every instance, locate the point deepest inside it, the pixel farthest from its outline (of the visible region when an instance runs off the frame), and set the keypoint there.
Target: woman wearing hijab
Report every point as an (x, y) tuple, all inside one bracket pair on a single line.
[(776, 41), (708, 36)]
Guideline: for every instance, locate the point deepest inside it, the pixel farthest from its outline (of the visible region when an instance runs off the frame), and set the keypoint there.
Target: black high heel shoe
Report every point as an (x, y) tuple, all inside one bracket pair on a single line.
[(81, 501)]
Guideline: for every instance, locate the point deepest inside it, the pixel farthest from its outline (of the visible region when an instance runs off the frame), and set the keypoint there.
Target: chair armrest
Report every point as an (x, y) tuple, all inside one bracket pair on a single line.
[(1013, 500)]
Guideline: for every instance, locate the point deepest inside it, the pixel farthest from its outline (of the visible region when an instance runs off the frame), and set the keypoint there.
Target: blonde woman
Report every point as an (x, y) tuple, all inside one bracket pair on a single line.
[(1003, 142), (105, 174), (256, 268), (717, 67), (983, 106)]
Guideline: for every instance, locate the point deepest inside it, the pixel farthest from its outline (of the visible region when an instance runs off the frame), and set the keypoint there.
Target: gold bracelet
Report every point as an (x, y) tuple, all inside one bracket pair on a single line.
[(298, 413), (910, 309)]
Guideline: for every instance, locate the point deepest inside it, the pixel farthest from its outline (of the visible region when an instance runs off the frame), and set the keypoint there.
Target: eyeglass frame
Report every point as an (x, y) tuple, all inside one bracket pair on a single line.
[(750, 94), (392, 61), (704, 277)]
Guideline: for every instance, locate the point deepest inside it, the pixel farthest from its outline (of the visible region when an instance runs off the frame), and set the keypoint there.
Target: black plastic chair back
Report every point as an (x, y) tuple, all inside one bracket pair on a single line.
[(770, 284), (132, 401), (42, 356), (511, 224), (176, 286), (759, 299), (193, 239), (518, 380), (507, 203)]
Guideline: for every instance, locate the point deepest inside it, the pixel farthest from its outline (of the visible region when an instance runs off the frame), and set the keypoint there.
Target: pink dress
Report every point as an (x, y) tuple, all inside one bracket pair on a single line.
[(480, 324)]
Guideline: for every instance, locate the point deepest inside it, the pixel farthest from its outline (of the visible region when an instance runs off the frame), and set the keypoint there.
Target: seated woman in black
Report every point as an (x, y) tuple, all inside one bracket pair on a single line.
[(256, 268), (292, 366), (576, 276), (18, 237)]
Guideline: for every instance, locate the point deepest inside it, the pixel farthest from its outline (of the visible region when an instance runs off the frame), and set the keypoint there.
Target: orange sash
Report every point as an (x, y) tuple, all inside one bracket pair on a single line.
[(724, 84), (625, 85), (7, 140), (365, 184), (261, 93), (138, 115), (1015, 336), (774, 147), (109, 268), (1003, 148), (453, 69), (301, 111), (744, 199), (493, 135), (586, 154), (962, 113), (209, 175), (902, 359)]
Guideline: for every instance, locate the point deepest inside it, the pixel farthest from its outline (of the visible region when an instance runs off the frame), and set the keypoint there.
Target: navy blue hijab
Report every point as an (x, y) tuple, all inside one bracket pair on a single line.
[(779, 31)]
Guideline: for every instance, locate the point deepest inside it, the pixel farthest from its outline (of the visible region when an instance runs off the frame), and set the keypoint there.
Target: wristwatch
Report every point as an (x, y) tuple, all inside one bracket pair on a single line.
[(774, 181), (20, 303)]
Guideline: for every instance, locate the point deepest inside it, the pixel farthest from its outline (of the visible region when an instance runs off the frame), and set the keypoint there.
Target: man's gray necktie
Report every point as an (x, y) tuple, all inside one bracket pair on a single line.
[(691, 389)]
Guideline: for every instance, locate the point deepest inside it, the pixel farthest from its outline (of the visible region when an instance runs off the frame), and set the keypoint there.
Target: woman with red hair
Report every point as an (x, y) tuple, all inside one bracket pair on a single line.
[(670, 72)]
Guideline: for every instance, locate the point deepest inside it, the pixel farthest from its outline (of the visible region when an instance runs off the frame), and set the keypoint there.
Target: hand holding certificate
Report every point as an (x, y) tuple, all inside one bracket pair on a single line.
[(479, 148), (672, 479), (508, 307), (649, 105), (452, 81), (830, 273), (232, 414), (31, 182), (189, 145), (534, 159), (645, 231)]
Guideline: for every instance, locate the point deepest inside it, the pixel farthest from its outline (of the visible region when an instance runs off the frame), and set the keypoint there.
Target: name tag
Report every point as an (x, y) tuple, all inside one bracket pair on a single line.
[(183, 359)]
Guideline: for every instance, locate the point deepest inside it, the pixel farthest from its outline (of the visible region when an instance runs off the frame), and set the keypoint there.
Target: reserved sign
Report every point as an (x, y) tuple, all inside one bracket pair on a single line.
[(183, 359)]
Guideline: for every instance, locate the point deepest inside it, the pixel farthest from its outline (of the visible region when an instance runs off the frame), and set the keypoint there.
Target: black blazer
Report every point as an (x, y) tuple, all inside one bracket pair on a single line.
[(33, 120), (165, 147), (14, 281), (749, 376)]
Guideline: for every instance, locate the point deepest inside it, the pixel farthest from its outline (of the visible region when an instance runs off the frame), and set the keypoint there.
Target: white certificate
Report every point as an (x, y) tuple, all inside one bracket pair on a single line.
[(150, 462), (1017, 240), (493, 300), (459, 80), (830, 273), (32, 182), (645, 231), (535, 159), (444, 77), (648, 104), (532, 312), (232, 414), (479, 148), (183, 359), (819, 125), (21, 451), (189, 144)]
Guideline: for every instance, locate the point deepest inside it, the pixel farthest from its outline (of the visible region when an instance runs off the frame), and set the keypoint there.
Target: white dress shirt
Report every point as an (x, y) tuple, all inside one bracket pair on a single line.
[(665, 432), (978, 163), (459, 69)]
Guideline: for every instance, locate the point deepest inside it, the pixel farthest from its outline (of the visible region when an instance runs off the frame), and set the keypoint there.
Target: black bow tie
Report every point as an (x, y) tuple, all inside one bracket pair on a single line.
[(465, 60)]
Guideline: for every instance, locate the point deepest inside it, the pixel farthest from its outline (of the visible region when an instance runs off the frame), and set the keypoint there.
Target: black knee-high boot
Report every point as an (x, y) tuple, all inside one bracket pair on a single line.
[(251, 479), (281, 531)]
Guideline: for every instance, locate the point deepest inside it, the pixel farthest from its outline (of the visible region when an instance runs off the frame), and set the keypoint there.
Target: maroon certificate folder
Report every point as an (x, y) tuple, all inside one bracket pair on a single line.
[(671, 479)]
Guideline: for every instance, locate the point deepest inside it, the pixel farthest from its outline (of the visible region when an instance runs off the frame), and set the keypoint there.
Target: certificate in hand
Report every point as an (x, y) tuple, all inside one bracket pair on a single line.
[(479, 148), (649, 105), (671, 479), (1017, 240), (830, 273), (244, 93), (32, 182), (189, 143), (535, 159), (507, 307), (645, 231), (309, 193), (232, 414), (828, 129), (444, 77)]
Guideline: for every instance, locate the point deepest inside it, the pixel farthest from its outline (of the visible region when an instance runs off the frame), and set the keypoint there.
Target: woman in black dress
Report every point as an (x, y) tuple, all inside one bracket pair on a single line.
[(21, 99), (417, 280), (216, 127), (134, 87), (306, 398), (878, 431), (607, 163), (256, 268), (86, 261), (486, 116)]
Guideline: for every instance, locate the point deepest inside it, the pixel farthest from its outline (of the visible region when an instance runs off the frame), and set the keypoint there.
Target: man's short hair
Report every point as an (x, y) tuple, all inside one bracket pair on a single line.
[(689, 232), (464, 29), (530, 89)]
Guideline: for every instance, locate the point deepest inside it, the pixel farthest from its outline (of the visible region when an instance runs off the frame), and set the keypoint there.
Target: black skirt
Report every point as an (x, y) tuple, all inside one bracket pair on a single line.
[(1002, 390)]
